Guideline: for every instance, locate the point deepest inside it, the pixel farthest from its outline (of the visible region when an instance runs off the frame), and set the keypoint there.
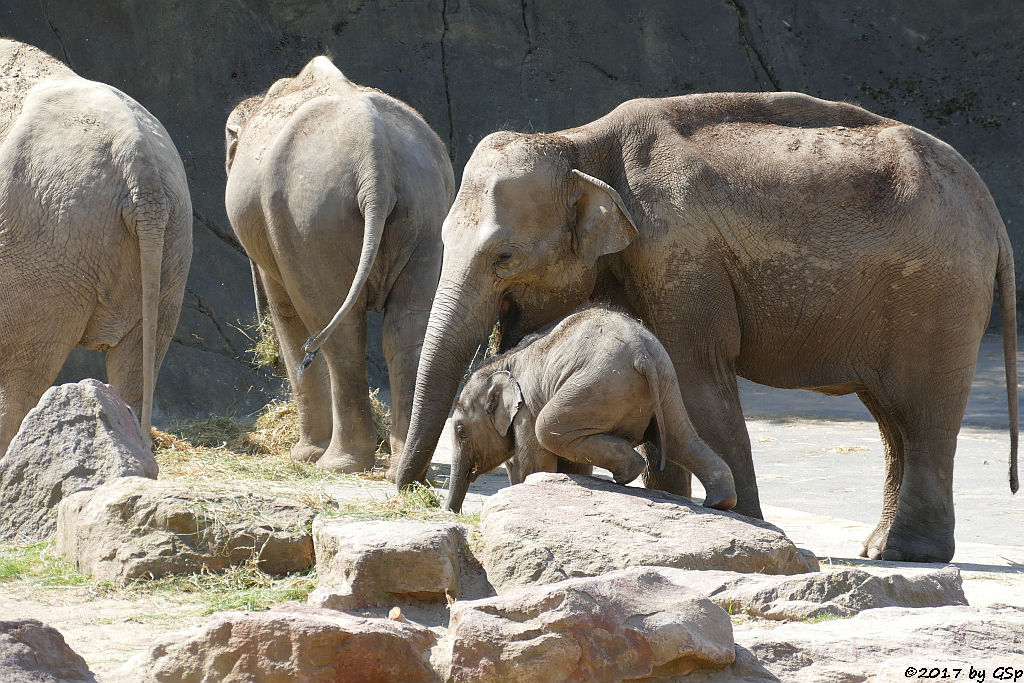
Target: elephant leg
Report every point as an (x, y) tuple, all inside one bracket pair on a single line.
[(28, 370), (564, 466), (564, 427), (674, 479), (922, 517), (353, 443), (405, 324), (894, 446), (124, 359), (312, 392), (713, 405)]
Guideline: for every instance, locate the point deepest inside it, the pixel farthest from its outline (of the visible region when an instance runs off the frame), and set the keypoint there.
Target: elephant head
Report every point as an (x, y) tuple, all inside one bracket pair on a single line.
[(521, 245), (482, 432)]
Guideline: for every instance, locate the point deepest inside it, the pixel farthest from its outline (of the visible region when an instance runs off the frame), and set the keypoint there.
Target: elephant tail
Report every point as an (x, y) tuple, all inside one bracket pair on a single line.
[(646, 368), (1007, 285), (376, 200), (146, 213)]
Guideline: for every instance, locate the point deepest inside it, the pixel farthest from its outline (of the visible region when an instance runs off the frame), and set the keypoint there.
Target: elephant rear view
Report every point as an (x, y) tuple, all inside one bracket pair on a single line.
[(338, 192), (95, 233)]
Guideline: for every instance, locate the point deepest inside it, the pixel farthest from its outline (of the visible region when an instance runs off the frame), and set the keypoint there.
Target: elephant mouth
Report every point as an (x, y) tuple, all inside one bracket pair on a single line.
[(509, 316)]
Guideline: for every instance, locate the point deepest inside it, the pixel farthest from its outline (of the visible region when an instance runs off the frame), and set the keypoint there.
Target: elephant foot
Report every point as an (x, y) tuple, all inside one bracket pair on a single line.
[(304, 451), (894, 545), (346, 463), (630, 470), (720, 500)]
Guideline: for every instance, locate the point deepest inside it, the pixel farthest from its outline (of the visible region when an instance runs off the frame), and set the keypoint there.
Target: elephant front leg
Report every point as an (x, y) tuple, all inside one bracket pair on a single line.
[(311, 391), (402, 341)]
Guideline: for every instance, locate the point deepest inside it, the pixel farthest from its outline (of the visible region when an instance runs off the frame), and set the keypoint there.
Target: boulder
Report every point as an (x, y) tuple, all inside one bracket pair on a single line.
[(891, 644), (367, 563), (557, 526), (288, 643), (78, 437), (634, 623), (32, 652), (836, 591), (134, 527)]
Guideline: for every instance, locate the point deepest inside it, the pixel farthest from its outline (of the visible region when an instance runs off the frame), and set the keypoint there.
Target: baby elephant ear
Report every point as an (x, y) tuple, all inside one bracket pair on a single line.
[(603, 225), (503, 401)]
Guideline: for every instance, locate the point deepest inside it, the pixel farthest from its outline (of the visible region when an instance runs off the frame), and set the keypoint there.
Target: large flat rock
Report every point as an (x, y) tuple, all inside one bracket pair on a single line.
[(78, 437), (634, 623), (139, 528), (285, 644), (558, 526), (835, 591), (886, 644)]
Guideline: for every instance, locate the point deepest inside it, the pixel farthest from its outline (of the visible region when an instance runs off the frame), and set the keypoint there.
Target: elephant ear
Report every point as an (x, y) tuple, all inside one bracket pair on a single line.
[(230, 144), (503, 400), (603, 224)]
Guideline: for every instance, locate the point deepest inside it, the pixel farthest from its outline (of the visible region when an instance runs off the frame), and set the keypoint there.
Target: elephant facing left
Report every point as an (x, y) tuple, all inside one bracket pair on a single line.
[(95, 233), (337, 193)]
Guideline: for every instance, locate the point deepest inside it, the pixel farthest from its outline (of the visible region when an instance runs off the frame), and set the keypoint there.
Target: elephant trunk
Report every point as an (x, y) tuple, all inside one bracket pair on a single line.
[(453, 334), (458, 483)]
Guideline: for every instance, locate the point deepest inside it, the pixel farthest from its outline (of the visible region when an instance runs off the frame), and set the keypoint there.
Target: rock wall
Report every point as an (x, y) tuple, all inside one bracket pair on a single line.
[(952, 67)]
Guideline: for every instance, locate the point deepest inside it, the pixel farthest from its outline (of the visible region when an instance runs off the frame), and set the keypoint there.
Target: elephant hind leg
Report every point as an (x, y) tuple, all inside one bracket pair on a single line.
[(894, 444), (917, 516), (311, 392)]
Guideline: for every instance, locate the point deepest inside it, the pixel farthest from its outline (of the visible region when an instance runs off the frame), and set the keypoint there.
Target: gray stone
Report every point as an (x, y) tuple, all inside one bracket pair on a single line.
[(835, 591), (32, 652), (78, 437), (289, 643), (886, 644), (377, 563), (634, 623), (133, 528), (557, 526)]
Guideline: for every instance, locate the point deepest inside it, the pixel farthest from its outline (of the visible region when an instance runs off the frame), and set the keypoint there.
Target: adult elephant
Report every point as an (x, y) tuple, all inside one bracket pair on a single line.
[(95, 233), (333, 188), (793, 241)]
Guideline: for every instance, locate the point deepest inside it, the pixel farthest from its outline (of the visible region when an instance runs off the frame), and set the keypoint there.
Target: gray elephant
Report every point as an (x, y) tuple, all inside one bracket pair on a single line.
[(95, 233), (589, 390), (335, 188), (796, 242)]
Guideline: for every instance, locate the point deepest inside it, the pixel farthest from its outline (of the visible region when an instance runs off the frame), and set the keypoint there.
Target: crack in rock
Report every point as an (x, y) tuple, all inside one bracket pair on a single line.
[(203, 308), (447, 85), (56, 33), (747, 41)]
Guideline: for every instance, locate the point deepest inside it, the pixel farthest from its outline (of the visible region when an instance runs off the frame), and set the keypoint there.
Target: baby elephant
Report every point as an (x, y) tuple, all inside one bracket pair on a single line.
[(588, 390)]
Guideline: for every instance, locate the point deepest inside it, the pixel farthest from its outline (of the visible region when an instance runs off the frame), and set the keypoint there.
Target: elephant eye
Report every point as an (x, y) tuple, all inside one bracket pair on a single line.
[(460, 432), (506, 261)]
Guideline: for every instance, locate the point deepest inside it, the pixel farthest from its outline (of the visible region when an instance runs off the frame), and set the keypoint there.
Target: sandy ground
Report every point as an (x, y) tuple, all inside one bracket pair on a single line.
[(820, 467)]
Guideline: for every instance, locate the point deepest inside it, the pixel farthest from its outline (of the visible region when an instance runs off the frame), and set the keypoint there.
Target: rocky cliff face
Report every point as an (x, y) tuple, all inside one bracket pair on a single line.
[(952, 67)]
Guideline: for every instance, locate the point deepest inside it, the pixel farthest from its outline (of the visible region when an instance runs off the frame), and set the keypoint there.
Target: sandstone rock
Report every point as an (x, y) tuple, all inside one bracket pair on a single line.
[(744, 669), (32, 652), (556, 526), (837, 591), (627, 624), (360, 564), (882, 644), (134, 527), (289, 643), (78, 437)]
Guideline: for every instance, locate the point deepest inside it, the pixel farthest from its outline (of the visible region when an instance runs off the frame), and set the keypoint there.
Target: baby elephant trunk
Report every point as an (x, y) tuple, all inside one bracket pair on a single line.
[(458, 482), (680, 443)]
